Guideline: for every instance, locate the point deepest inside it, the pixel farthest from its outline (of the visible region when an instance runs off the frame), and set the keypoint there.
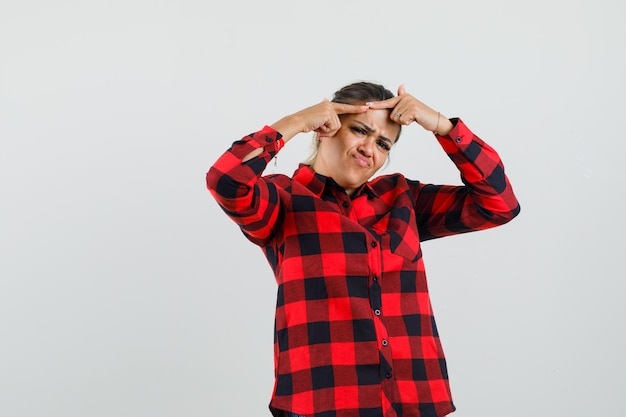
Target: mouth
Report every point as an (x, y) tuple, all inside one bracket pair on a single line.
[(361, 160)]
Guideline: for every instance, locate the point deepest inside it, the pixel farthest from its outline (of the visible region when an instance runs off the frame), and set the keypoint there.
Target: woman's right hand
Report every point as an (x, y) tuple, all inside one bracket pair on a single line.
[(322, 118)]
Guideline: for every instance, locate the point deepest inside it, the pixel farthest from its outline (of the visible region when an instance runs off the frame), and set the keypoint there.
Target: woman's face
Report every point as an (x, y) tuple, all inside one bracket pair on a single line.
[(358, 149)]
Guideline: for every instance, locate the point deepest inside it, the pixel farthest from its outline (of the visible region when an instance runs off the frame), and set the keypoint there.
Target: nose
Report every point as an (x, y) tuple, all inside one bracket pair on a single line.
[(366, 148)]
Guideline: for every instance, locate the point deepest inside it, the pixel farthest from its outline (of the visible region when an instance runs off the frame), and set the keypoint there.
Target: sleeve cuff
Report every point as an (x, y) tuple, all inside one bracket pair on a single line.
[(268, 138), (460, 134)]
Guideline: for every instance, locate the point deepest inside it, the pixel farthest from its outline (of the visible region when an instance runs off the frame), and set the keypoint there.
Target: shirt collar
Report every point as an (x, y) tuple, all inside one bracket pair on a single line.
[(316, 183)]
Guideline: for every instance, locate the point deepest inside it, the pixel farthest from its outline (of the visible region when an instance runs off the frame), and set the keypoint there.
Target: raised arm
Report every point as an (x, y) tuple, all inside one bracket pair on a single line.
[(485, 200), (237, 186), (236, 182)]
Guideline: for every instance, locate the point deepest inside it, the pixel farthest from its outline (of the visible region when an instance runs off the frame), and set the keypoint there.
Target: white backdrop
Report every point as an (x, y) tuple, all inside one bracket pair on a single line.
[(124, 289)]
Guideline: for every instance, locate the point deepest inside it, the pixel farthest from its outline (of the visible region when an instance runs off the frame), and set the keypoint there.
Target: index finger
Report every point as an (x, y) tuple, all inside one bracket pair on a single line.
[(342, 108), (390, 103)]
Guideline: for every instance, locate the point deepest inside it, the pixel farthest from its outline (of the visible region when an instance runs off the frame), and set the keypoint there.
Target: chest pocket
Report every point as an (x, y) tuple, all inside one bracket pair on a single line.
[(398, 231)]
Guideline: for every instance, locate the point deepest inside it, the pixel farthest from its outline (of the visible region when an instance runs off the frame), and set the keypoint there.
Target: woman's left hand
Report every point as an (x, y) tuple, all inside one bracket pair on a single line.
[(406, 109)]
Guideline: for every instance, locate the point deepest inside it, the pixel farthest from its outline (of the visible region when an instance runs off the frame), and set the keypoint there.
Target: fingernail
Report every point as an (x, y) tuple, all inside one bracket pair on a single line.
[(369, 103)]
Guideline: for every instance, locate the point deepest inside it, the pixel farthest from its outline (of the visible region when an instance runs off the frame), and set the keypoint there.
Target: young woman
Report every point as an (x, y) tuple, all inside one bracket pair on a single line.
[(354, 333)]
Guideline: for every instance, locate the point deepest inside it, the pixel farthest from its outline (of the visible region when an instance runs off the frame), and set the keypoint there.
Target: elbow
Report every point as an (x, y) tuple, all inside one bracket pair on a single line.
[(210, 182), (222, 185), (503, 217), (213, 179)]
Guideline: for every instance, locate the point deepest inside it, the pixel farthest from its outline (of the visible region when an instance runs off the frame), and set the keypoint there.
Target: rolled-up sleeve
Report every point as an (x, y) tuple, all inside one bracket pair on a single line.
[(240, 190), (485, 200)]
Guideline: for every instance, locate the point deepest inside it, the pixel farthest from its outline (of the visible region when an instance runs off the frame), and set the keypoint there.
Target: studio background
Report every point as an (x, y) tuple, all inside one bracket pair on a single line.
[(125, 290)]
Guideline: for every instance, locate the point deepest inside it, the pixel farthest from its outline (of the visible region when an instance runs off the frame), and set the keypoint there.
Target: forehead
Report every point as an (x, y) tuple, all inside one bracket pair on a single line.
[(377, 119)]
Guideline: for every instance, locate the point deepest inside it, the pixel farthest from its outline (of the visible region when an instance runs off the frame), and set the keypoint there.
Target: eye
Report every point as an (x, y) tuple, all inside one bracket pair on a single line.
[(359, 130), (384, 145)]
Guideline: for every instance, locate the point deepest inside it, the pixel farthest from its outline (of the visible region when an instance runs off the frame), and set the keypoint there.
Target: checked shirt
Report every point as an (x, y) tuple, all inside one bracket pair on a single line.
[(355, 334)]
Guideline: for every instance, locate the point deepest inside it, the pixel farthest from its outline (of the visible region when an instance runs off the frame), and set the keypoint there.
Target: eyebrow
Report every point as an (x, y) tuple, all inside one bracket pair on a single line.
[(370, 130)]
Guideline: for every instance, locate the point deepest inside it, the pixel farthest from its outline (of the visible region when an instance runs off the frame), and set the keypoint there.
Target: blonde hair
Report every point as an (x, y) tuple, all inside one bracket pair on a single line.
[(315, 146)]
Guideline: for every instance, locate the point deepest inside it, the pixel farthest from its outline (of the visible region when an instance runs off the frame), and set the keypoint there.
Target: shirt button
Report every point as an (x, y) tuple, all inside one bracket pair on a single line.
[(345, 204), (377, 312), (388, 375), (375, 279), (269, 139), (458, 140), (374, 244), (384, 342)]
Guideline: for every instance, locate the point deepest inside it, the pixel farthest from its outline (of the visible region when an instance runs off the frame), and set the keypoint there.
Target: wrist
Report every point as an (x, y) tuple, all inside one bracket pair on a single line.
[(444, 125), (287, 127)]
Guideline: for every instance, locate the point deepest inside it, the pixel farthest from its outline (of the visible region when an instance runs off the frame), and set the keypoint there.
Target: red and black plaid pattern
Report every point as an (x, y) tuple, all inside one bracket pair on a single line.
[(355, 334)]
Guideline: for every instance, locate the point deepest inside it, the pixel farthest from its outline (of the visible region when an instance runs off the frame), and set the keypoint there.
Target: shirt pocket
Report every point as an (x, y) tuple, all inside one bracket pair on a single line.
[(398, 234)]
